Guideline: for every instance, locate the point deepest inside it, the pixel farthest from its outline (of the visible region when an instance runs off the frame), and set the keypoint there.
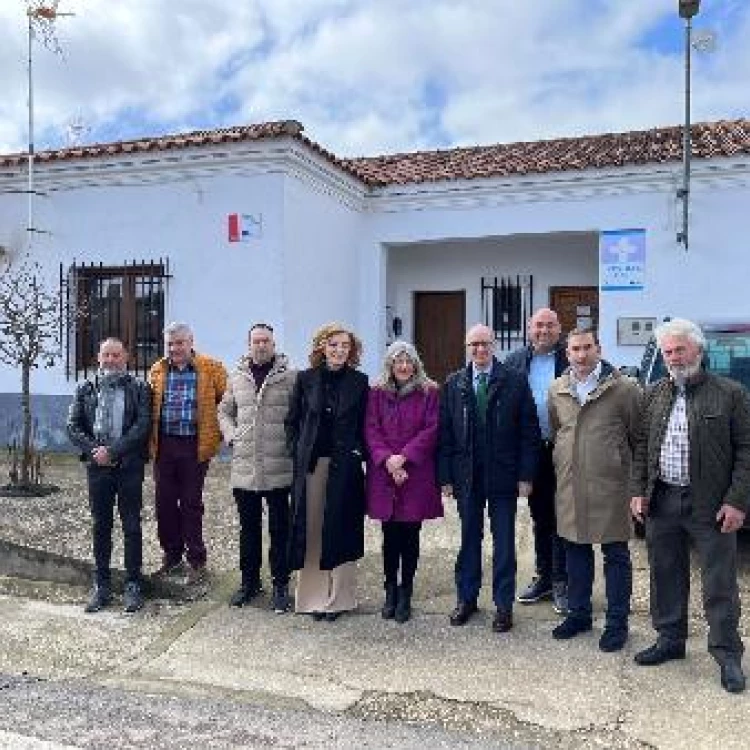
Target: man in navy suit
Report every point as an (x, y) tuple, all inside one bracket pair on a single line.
[(488, 453)]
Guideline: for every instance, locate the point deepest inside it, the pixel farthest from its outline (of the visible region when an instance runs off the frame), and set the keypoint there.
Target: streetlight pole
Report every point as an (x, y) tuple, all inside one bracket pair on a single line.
[(687, 9)]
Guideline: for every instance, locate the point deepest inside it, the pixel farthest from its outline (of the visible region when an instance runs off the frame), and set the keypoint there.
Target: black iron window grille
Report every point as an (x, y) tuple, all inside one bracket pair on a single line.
[(507, 304), (126, 301)]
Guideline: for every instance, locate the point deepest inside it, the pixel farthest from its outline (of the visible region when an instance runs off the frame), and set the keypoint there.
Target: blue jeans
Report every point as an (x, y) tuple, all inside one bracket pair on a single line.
[(502, 513), (618, 581)]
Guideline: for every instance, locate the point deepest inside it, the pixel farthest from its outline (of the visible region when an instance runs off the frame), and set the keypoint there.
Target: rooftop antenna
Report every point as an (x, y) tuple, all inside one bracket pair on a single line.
[(41, 16), (76, 131)]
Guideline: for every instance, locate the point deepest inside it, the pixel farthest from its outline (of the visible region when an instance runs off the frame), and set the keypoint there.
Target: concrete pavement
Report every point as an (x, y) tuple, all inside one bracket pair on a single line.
[(522, 686)]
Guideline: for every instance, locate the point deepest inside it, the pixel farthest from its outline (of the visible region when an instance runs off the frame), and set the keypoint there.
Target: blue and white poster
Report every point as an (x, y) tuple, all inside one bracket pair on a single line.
[(622, 260)]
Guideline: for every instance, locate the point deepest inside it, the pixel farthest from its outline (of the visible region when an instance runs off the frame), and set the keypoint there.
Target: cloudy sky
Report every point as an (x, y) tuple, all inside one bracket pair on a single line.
[(370, 76)]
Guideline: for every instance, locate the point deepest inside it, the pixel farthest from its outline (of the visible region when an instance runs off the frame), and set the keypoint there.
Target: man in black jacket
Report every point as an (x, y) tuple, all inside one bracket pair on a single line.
[(109, 422), (488, 451), (542, 361)]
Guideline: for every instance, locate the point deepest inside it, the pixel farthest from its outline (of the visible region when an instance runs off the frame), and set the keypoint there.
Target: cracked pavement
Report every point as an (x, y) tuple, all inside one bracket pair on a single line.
[(195, 672)]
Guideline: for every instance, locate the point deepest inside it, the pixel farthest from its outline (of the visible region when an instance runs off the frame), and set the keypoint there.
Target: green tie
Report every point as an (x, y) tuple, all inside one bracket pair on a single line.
[(482, 396)]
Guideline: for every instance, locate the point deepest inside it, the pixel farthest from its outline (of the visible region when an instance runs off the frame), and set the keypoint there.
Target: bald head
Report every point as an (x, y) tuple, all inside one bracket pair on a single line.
[(113, 357), (544, 330), (480, 342)]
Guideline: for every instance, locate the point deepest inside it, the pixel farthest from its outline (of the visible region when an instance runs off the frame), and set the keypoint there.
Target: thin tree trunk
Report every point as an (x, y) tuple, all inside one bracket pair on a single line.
[(27, 459)]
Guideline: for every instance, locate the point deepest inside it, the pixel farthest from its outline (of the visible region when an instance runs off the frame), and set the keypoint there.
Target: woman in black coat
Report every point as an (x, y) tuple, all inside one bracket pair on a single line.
[(325, 432)]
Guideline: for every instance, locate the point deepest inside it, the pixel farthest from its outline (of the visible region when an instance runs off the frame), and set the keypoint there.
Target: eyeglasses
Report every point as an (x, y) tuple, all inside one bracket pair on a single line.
[(480, 344)]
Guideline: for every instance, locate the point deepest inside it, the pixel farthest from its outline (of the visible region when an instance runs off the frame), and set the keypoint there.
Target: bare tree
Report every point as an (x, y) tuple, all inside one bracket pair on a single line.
[(30, 337)]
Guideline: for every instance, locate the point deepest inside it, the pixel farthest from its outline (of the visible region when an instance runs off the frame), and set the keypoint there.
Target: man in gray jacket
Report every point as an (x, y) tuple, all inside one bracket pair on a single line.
[(251, 417), (691, 482)]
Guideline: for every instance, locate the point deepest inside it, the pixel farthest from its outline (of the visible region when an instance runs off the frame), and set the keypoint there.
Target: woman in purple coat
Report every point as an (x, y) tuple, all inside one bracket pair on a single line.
[(401, 429)]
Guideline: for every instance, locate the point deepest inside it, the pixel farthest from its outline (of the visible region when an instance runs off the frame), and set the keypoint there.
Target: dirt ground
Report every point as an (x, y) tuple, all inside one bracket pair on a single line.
[(61, 523)]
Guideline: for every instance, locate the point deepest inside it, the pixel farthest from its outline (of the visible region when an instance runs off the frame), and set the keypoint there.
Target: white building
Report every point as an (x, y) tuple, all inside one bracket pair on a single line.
[(407, 239)]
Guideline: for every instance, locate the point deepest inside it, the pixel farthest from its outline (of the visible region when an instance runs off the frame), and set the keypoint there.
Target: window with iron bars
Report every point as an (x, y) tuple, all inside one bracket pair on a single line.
[(507, 303), (126, 301)]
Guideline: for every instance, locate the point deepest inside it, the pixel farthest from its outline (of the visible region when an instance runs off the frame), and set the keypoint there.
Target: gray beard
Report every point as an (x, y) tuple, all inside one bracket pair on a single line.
[(682, 373)]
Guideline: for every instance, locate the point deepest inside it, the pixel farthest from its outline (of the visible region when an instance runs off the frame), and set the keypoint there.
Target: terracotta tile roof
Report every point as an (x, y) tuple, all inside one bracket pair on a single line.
[(724, 138), (255, 132)]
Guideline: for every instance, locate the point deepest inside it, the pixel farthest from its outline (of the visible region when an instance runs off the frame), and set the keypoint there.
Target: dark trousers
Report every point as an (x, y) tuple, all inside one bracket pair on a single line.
[(179, 478), (618, 581), (670, 527), (108, 485), (250, 510), (502, 513), (400, 550), (549, 548)]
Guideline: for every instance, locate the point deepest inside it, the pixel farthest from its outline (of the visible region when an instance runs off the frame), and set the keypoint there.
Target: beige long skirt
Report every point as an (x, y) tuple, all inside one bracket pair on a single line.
[(322, 590)]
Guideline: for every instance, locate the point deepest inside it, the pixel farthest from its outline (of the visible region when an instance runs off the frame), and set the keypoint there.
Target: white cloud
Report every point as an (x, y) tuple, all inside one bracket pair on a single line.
[(370, 76)]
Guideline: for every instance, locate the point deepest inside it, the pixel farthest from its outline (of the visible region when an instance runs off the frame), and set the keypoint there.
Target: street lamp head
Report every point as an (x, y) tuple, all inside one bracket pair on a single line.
[(689, 8)]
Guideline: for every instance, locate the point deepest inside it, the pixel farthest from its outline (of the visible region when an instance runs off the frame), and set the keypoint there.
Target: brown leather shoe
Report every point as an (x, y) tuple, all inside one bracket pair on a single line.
[(462, 613), (503, 621)]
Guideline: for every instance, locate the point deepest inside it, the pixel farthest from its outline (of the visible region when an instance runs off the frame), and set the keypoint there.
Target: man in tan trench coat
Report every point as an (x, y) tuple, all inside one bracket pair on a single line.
[(594, 414)]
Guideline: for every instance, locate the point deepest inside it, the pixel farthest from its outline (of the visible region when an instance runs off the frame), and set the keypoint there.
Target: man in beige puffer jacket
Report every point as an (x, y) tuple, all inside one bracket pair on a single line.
[(251, 417)]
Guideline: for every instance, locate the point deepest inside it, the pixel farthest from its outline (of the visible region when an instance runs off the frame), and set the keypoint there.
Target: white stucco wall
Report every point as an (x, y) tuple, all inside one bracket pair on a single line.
[(328, 251), (321, 263), (216, 286), (442, 241), (564, 259)]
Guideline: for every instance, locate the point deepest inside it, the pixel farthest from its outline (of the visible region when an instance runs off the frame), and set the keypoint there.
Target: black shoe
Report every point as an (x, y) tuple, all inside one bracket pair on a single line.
[(318, 616), (197, 575), (170, 569), (280, 599), (403, 607), (540, 588), (388, 612), (660, 652), (570, 627), (613, 639), (132, 597), (100, 597), (332, 616), (503, 621), (732, 677), (560, 598), (245, 593), (462, 613)]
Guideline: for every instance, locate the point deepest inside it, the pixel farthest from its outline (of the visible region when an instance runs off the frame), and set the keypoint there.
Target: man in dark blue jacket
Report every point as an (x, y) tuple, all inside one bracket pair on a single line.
[(109, 422), (542, 361), (488, 452)]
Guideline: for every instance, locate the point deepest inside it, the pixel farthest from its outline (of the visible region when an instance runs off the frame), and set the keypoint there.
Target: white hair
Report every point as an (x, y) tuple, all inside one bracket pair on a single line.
[(178, 329), (388, 381), (681, 328)]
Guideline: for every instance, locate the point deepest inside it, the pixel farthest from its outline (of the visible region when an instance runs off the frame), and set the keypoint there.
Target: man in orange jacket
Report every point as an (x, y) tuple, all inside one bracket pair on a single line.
[(187, 388)]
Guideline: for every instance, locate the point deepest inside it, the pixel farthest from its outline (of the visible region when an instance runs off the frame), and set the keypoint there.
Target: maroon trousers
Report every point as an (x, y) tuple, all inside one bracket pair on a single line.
[(179, 478)]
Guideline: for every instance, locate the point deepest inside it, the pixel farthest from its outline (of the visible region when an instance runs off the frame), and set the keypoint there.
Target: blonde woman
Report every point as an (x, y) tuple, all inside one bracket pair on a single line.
[(324, 429), (401, 430)]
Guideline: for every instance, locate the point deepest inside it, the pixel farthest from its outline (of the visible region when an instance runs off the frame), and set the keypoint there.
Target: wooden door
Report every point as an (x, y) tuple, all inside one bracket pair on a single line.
[(439, 331), (576, 306)]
